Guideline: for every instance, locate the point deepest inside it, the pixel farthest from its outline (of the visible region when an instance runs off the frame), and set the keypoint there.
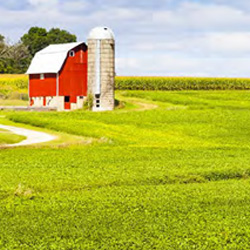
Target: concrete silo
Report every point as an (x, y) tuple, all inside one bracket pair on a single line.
[(101, 68)]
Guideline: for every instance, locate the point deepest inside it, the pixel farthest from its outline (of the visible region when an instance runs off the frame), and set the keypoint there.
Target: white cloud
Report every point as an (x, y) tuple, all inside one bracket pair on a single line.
[(209, 44), (187, 39), (44, 3), (234, 42), (75, 6), (166, 65), (195, 16)]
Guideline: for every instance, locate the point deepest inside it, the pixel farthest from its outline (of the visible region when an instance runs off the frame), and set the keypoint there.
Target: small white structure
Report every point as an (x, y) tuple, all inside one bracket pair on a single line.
[(101, 68)]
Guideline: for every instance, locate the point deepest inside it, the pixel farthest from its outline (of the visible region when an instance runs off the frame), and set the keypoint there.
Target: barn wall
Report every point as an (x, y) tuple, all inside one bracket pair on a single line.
[(78, 104), (46, 87), (73, 76)]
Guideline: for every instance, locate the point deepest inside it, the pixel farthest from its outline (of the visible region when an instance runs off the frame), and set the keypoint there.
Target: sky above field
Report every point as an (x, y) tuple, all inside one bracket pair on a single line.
[(154, 37)]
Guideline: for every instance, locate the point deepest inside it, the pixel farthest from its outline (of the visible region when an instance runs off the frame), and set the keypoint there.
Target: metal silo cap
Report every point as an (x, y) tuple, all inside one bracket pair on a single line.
[(101, 33)]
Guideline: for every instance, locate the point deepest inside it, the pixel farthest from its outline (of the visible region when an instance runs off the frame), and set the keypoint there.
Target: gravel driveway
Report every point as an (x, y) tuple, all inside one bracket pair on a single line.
[(32, 137)]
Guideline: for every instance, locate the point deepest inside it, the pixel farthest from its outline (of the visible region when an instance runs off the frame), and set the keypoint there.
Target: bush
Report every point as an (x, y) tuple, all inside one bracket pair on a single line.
[(181, 83), (88, 104)]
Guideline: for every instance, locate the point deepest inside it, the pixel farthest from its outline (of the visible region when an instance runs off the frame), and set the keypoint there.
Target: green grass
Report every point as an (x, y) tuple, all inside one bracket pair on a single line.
[(170, 171), (7, 137), (13, 103)]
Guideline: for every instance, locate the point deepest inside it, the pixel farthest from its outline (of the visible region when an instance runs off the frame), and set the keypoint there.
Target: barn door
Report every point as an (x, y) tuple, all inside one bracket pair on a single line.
[(44, 101), (66, 102)]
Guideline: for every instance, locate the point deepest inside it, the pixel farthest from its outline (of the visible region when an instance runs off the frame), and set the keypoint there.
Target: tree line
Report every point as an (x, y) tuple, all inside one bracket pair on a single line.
[(15, 58)]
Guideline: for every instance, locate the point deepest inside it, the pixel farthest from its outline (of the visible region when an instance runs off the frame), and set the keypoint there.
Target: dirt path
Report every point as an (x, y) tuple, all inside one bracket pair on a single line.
[(32, 137), (145, 106)]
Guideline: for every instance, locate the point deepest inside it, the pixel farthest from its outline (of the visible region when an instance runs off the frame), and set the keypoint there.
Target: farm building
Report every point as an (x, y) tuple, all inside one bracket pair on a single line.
[(61, 76)]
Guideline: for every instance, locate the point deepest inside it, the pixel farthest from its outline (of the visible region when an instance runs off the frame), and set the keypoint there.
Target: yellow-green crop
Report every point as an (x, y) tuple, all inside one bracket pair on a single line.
[(175, 176), (13, 83)]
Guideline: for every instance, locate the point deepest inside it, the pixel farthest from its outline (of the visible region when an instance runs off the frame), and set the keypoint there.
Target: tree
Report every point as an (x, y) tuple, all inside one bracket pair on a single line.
[(3, 48), (19, 57), (13, 58), (4, 52), (2, 39), (16, 58), (38, 38), (4, 55), (35, 40), (56, 36)]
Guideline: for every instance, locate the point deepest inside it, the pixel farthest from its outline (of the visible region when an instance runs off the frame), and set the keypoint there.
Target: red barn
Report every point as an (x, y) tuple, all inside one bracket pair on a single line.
[(58, 76)]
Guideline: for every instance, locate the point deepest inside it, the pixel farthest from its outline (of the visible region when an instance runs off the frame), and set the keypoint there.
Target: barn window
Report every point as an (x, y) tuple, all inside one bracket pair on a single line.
[(72, 53), (66, 98), (97, 101), (42, 77)]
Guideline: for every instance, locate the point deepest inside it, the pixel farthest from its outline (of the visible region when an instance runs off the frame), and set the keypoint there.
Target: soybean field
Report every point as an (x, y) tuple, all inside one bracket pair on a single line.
[(165, 170)]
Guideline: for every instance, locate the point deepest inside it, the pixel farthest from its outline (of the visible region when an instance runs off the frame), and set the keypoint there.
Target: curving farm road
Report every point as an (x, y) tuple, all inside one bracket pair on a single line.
[(32, 137)]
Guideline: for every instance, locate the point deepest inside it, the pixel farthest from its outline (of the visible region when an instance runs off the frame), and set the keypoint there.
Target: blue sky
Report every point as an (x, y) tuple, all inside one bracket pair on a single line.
[(153, 37)]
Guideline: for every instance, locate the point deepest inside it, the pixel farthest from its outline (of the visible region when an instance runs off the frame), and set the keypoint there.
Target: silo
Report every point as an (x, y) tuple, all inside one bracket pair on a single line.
[(101, 68)]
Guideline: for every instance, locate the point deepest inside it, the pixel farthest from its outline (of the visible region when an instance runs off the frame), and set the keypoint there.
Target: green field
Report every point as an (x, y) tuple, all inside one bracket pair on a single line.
[(7, 137), (169, 171), (14, 102)]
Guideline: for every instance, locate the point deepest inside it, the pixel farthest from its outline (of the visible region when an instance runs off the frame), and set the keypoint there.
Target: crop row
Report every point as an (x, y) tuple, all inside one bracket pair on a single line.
[(181, 83), (9, 84)]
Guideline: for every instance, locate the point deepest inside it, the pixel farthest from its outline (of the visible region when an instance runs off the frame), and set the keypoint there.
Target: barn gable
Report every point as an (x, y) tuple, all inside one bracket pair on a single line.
[(51, 58)]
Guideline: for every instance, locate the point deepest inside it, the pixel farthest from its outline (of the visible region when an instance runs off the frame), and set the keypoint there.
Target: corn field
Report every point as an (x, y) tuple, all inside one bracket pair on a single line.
[(13, 84), (181, 83)]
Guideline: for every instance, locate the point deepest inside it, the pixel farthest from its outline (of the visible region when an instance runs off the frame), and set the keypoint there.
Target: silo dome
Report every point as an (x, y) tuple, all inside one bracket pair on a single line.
[(100, 33)]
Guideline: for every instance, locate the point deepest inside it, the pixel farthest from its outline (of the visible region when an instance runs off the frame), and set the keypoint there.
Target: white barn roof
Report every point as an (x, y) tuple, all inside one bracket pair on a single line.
[(51, 58)]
